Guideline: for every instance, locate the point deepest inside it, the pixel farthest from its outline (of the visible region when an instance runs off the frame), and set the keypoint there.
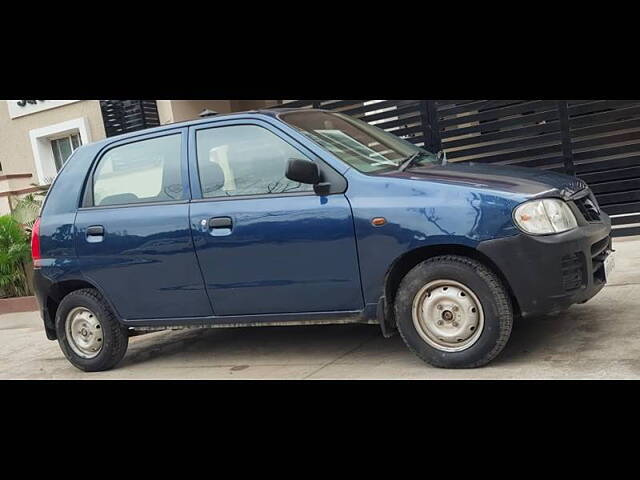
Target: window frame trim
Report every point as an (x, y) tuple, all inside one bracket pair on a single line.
[(194, 172), (55, 148), (141, 204), (87, 202), (40, 139)]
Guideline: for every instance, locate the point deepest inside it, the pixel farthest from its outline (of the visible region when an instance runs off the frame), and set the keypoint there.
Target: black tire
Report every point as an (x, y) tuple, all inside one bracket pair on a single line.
[(115, 338), (488, 288)]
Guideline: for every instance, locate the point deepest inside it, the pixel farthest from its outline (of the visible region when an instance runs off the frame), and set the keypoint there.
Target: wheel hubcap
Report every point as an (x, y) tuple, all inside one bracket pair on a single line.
[(84, 332), (448, 315)]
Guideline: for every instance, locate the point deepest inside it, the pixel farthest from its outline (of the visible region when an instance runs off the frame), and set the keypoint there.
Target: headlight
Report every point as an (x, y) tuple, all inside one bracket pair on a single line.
[(549, 215)]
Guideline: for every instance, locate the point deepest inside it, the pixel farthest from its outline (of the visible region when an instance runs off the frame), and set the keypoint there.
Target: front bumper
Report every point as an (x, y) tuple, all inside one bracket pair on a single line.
[(550, 273)]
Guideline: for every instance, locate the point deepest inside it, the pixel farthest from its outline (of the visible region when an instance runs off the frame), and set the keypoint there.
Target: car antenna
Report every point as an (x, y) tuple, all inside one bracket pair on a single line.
[(207, 113), (442, 156)]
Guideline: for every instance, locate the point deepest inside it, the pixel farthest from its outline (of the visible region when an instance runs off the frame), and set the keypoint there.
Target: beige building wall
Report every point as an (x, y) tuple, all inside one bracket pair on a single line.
[(16, 152), (172, 111), (24, 138), (242, 105), (25, 148)]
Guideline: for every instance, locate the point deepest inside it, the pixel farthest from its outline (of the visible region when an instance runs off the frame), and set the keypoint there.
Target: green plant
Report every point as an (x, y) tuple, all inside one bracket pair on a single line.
[(14, 252), (26, 210)]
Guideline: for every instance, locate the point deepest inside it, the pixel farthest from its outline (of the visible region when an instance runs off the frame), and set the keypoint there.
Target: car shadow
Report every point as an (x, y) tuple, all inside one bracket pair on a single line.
[(203, 343), (531, 339), (556, 335)]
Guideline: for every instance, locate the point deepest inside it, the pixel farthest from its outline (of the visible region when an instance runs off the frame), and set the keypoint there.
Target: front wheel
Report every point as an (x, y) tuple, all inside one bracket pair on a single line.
[(89, 334), (453, 312)]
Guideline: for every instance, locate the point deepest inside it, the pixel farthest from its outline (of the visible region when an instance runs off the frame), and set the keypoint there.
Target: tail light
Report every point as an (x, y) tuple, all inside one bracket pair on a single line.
[(35, 242)]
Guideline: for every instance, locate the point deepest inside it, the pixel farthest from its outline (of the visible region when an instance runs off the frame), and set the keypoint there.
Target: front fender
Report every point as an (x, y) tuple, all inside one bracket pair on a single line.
[(420, 214)]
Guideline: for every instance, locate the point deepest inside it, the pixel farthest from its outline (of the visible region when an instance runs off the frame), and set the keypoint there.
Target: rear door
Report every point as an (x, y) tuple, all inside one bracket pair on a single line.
[(132, 234), (267, 245)]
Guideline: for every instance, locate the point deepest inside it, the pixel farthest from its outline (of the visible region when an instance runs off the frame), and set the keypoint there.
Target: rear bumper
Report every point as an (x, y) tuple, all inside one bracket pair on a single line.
[(42, 286), (550, 273)]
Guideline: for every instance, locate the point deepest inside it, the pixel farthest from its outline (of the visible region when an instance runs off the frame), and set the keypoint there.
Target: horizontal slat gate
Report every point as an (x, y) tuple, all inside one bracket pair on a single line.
[(605, 140), (405, 118), (122, 116), (597, 140)]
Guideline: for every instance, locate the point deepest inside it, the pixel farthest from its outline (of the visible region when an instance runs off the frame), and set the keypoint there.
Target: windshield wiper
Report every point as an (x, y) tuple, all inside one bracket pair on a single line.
[(409, 161)]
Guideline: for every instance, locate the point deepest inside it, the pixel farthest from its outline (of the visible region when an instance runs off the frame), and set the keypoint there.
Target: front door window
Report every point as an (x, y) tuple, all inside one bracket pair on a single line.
[(245, 160)]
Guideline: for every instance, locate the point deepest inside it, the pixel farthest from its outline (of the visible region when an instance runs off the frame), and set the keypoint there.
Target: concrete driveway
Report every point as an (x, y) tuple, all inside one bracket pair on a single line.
[(597, 340)]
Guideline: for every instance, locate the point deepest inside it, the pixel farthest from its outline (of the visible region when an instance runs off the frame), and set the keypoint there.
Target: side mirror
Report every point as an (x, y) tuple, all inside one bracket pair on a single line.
[(303, 171)]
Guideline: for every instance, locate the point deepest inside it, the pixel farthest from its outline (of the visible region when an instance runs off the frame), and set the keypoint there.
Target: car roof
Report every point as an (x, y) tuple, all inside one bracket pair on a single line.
[(272, 113)]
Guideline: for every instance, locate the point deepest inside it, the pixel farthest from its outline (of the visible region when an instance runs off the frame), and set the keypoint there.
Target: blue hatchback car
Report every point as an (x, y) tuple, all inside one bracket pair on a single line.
[(290, 217)]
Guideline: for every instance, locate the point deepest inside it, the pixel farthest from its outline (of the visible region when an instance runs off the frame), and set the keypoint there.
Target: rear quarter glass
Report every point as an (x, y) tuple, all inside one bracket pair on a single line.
[(64, 194), (58, 213)]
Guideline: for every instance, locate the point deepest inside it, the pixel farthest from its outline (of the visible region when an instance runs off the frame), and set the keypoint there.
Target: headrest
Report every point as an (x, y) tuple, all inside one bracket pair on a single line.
[(119, 199), (211, 177)]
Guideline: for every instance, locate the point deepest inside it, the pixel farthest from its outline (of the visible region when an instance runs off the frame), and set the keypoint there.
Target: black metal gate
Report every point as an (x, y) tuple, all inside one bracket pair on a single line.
[(122, 116), (597, 140)]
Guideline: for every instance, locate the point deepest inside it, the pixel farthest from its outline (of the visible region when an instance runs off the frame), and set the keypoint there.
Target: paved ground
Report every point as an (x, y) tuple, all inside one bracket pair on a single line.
[(597, 340)]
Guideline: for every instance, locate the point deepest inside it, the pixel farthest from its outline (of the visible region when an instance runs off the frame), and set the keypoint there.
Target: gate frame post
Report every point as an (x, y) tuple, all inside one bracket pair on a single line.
[(565, 132), (430, 125)]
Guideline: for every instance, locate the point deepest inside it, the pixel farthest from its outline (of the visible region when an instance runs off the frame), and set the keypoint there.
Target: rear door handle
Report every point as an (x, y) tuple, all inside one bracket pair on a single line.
[(95, 234), (220, 222)]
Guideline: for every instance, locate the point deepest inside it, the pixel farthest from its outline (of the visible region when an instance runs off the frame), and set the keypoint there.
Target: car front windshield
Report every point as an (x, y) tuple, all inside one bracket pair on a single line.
[(364, 147)]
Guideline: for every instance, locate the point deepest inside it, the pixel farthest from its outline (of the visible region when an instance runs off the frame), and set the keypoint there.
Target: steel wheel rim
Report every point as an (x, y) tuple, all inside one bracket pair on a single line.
[(448, 315), (84, 332)]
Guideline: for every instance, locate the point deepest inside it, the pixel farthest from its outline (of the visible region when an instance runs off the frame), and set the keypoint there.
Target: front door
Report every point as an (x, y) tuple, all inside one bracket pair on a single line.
[(132, 236), (265, 244)]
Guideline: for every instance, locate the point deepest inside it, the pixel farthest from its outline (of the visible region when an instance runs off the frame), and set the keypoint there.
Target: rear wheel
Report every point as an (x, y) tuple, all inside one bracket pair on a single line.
[(89, 334), (453, 312)]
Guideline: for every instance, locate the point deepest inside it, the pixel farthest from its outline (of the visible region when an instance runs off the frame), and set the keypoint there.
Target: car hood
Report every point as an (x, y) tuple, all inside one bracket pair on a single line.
[(529, 182)]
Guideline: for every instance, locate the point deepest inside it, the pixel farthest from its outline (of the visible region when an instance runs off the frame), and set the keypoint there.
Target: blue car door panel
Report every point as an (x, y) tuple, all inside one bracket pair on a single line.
[(133, 233), (264, 244), (278, 255), (145, 263)]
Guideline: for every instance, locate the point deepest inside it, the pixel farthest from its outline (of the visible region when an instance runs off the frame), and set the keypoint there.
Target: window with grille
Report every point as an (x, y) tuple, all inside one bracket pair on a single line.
[(63, 148)]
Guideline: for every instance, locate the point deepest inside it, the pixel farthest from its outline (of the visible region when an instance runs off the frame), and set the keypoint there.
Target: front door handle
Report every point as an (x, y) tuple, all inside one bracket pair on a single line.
[(220, 222), (219, 226)]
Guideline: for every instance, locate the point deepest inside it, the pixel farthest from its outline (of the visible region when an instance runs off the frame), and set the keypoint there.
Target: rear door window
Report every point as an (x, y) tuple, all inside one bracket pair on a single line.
[(140, 172)]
